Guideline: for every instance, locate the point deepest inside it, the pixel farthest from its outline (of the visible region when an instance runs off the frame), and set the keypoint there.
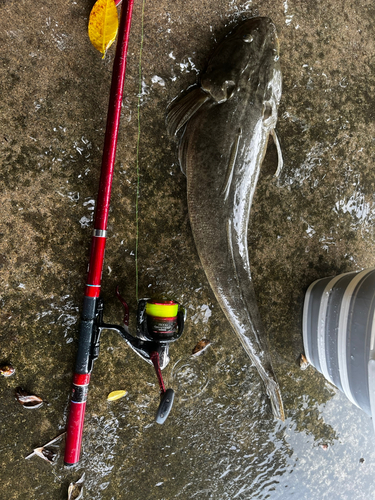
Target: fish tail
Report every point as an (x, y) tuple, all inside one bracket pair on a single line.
[(274, 393)]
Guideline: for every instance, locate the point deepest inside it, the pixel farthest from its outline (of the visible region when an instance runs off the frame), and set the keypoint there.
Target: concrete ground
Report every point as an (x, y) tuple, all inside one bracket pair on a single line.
[(220, 440)]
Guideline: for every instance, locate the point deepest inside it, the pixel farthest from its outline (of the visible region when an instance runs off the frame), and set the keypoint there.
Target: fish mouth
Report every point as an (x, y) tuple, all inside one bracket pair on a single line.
[(273, 37)]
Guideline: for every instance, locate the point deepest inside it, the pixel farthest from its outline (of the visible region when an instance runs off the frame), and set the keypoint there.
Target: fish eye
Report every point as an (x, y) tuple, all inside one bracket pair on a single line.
[(229, 87), (248, 38)]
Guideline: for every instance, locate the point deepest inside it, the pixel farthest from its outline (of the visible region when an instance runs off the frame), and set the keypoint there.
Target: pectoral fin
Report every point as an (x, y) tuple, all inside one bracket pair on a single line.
[(280, 162), (232, 160), (183, 109)]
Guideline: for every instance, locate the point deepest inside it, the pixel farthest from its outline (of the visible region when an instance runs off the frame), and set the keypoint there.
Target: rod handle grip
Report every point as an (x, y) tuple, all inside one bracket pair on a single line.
[(76, 419)]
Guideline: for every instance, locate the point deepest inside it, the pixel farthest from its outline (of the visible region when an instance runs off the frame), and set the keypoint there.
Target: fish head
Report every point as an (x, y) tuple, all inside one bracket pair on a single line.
[(247, 62)]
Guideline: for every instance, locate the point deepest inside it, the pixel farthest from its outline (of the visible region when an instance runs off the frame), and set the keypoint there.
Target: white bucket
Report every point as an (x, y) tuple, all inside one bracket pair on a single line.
[(339, 334)]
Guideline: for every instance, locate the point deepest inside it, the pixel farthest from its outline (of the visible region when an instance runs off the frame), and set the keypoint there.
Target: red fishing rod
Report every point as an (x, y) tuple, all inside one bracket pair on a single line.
[(158, 322), (84, 359)]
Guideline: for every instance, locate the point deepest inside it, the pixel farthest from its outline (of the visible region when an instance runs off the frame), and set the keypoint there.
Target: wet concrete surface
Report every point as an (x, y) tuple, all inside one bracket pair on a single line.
[(220, 441)]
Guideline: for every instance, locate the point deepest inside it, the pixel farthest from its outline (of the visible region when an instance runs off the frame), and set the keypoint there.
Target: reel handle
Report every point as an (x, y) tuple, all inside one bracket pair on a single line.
[(166, 395), (165, 406)]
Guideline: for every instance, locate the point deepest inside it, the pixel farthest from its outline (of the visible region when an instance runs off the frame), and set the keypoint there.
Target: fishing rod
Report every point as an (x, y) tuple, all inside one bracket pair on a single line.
[(159, 322)]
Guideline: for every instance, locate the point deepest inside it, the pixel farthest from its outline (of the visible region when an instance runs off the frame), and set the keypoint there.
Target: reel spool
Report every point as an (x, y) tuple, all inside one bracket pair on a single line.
[(159, 321)]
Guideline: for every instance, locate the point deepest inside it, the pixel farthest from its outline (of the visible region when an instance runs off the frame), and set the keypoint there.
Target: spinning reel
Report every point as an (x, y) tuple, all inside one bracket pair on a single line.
[(159, 322)]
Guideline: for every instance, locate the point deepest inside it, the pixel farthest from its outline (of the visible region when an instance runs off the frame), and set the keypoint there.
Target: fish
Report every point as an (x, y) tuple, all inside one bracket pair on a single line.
[(226, 120)]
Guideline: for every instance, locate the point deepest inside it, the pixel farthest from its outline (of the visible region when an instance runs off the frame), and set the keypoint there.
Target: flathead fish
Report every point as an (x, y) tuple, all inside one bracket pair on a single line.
[(226, 122)]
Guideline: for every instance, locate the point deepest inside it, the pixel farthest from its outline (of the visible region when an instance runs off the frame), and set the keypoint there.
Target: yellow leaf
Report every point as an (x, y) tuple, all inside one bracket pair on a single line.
[(103, 25), (112, 396)]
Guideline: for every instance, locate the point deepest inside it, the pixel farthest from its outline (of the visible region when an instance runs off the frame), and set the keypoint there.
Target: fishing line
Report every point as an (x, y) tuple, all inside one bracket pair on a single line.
[(138, 142)]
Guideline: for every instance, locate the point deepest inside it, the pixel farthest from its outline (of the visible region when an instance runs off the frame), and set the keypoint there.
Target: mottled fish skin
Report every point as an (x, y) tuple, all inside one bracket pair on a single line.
[(227, 121)]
